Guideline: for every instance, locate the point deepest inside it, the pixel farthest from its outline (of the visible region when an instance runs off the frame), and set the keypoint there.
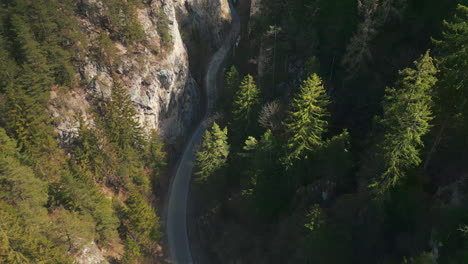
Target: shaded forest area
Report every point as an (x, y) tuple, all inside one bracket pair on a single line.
[(341, 136)]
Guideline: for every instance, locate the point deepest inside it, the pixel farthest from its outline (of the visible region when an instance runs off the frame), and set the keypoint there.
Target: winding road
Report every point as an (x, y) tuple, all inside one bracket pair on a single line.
[(176, 228)]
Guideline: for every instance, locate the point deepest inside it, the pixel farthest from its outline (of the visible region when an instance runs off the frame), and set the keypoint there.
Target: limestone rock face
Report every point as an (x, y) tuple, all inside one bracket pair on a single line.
[(90, 254), (160, 83), (204, 25), (208, 17)]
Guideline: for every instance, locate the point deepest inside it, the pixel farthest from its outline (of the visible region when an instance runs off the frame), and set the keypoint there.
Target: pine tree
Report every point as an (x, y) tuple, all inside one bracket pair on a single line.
[(120, 119), (306, 119), (87, 150), (18, 184), (141, 222), (123, 21), (154, 154), (452, 61), (22, 242), (27, 97), (212, 154), (246, 106), (406, 116), (233, 80), (268, 187), (73, 229)]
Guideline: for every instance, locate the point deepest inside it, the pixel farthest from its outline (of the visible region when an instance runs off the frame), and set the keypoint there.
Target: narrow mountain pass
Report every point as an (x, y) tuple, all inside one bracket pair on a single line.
[(179, 245)]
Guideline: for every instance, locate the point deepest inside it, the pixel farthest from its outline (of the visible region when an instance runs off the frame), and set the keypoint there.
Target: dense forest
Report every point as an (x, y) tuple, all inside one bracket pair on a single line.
[(55, 199), (341, 136)]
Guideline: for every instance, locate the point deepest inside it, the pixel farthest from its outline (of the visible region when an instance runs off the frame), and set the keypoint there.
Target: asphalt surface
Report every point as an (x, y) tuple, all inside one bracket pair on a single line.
[(176, 228)]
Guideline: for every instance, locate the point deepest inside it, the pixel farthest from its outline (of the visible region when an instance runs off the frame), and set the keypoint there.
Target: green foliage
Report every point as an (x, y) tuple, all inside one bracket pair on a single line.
[(119, 118), (26, 99), (18, 184), (269, 186), (321, 241), (7, 144), (212, 153), (448, 223), (155, 156), (50, 203), (53, 24), (123, 21), (21, 242), (24, 221), (306, 119), (336, 150), (106, 50), (246, 107), (406, 116), (424, 258), (233, 80), (78, 195), (452, 60), (164, 29), (315, 219), (312, 65), (73, 229), (88, 151), (140, 225)]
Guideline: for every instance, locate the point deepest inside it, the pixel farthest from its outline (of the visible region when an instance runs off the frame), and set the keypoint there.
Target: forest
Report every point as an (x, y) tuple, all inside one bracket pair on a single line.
[(54, 198), (340, 136)]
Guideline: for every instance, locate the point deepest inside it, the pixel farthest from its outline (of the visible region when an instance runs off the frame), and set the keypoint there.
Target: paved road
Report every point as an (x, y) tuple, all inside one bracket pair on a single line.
[(176, 230)]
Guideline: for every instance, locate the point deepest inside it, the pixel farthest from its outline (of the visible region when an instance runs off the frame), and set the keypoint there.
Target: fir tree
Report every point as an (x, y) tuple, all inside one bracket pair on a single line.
[(452, 61), (27, 98), (268, 187), (212, 154), (306, 119), (154, 154), (120, 119), (406, 116), (233, 80), (246, 106), (141, 222)]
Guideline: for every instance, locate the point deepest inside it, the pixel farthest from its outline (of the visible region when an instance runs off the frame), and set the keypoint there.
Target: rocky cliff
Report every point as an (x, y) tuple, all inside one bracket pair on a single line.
[(162, 74), (160, 83)]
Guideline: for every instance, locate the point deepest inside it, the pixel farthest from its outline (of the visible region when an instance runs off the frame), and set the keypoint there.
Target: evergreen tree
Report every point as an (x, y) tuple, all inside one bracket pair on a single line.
[(141, 222), (120, 119), (333, 151), (73, 229), (246, 106), (27, 98), (212, 154), (123, 21), (24, 223), (306, 119), (154, 154), (18, 184), (22, 242), (268, 187), (87, 150), (233, 80), (8, 67), (452, 61), (406, 116)]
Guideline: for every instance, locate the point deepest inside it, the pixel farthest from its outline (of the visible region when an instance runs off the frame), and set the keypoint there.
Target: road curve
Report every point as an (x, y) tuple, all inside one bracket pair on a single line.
[(176, 228)]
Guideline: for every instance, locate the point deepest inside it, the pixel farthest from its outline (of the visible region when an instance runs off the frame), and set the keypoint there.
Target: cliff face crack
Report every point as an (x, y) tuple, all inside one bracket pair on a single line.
[(176, 230)]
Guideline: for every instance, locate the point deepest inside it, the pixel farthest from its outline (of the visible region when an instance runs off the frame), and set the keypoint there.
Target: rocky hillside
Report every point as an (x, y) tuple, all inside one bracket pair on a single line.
[(156, 72), (94, 95)]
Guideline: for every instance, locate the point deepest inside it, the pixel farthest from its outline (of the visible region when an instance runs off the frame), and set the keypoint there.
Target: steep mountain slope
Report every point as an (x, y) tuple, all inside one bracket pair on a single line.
[(90, 92)]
